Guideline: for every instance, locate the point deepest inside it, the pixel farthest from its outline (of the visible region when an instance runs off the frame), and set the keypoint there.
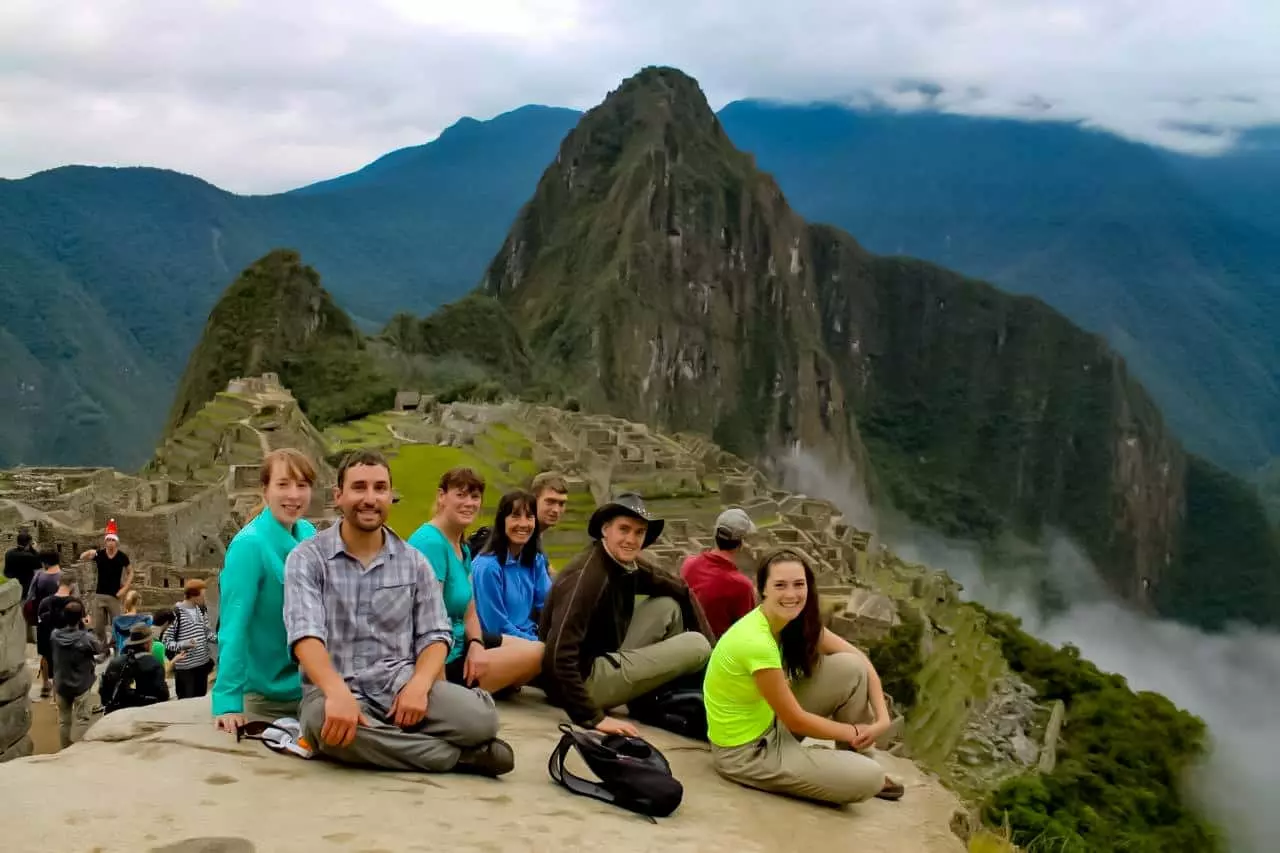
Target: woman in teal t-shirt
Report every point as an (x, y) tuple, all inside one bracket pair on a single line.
[(492, 662), (257, 676), (777, 676)]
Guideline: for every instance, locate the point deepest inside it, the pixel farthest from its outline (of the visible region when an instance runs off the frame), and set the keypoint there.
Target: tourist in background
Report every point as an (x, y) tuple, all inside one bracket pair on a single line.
[(367, 625), (74, 653), (510, 574), (45, 585), (725, 593), (21, 562), (135, 676), (552, 493), (123, 624), (114, 578), (188, 638), (257, 677), (602, 650), (478, 658), (777, 676)]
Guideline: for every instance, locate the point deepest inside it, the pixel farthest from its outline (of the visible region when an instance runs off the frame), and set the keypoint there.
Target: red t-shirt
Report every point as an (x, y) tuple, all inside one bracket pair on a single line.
[(726, 594)]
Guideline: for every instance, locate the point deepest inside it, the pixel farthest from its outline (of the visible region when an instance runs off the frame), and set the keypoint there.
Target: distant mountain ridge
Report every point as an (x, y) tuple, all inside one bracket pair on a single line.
[(135, 258)]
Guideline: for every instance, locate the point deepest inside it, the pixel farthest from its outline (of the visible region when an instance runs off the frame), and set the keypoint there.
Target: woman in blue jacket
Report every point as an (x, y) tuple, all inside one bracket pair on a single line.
[(510, 574), (257, 677)]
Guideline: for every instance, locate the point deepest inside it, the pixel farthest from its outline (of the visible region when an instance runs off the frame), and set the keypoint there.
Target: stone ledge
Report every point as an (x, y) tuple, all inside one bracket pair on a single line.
[(281, 804)]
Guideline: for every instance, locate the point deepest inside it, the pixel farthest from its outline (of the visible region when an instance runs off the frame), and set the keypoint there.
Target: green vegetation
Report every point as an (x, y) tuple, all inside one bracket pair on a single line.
[(1120, 761), (1228, 563), (496, 456), (897, 659), (277, 318)]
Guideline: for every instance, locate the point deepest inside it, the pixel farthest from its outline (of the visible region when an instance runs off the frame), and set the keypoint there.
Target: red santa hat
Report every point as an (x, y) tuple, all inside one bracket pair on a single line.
[(112, 531)]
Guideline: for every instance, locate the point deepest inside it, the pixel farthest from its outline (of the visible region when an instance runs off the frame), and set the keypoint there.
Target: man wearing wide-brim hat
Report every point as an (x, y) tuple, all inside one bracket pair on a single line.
[(601, 649)]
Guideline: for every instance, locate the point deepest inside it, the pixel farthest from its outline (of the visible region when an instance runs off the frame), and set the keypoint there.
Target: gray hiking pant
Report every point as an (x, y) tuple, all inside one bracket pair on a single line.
[(655, 650), (75, 715), (457, 717), (777, 762)]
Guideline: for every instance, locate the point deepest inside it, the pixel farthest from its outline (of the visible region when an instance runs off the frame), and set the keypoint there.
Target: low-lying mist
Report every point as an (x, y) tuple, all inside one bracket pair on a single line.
[(1230, 680)]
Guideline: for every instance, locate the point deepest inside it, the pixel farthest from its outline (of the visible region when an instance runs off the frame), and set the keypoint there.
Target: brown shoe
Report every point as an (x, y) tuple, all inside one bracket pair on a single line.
[(492, 758), (892, 790)]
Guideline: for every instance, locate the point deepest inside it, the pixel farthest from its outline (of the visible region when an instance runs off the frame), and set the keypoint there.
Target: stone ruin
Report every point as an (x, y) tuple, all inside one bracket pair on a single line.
[(177, 517)]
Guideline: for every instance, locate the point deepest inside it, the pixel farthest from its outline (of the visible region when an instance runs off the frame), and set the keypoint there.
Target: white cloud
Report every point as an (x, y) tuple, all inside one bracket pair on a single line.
[(259, 96)]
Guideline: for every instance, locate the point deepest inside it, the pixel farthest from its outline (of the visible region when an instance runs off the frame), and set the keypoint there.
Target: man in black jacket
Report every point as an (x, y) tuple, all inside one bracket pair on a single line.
[(22, 562), (135, 677), (601, 649)]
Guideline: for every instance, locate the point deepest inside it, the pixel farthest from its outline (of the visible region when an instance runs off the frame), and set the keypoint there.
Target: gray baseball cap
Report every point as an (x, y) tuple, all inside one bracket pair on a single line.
[(735, 523)]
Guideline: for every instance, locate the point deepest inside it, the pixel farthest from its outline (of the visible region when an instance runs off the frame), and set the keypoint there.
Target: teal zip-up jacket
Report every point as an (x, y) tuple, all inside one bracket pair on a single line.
[(253, 648)]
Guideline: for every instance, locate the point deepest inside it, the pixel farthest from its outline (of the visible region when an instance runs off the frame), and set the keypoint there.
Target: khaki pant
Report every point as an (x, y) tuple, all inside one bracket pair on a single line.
[(777, 762), (74, 717), (105, 609), (457, 717), (655, 650), (266, 710)]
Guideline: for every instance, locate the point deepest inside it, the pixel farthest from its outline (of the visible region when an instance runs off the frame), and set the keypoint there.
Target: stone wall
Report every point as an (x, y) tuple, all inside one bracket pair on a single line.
[(15, 678), (181, 534)]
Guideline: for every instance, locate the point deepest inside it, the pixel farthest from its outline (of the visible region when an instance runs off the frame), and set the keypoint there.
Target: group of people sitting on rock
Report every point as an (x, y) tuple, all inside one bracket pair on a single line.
[(396, 654), (390, 653)]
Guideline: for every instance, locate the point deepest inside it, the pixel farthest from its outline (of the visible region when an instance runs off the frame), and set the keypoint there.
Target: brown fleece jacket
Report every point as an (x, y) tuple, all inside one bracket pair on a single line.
[(587, 614)]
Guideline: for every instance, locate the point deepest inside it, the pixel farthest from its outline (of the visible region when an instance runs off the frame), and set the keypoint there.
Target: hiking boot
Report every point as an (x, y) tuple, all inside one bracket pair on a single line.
[(492, 758), (892, 790)]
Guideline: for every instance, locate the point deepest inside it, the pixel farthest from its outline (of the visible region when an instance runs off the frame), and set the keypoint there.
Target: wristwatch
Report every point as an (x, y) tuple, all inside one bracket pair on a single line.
[(471, 640)]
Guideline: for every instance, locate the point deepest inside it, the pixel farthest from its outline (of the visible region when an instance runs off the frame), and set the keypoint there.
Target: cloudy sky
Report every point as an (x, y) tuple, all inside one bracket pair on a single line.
[(262, 95)]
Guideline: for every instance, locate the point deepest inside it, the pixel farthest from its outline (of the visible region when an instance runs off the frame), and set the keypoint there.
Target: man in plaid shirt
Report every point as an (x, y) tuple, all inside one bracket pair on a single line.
[(367, 625)]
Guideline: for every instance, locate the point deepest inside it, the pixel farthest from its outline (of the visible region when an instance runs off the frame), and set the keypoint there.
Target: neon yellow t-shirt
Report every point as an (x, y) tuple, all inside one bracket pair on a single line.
[(736, 712)]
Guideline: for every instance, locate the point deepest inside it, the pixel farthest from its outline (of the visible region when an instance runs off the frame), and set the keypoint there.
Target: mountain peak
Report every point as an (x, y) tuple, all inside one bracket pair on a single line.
[(277, 318)]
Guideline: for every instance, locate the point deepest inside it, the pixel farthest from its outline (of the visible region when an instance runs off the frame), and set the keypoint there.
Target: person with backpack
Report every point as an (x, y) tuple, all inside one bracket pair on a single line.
[(75, 650), (257, 677), (489, 660), (134, 677), (602, 650), (123, 624), (45, 585), (188, 639), (510, 572), (777, 676)]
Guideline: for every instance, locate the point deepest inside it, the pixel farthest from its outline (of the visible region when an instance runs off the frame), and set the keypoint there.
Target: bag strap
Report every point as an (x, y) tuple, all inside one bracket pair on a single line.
[(576, 784), (127, 675)]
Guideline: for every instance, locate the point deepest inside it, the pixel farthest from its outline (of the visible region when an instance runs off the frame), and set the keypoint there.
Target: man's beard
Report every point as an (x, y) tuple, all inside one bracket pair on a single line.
[(355, 520)]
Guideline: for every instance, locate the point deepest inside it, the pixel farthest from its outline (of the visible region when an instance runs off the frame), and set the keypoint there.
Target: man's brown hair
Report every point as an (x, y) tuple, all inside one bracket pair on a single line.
[(552, 481), (361, 456), (193, 588), (296, 464), (462, 478)]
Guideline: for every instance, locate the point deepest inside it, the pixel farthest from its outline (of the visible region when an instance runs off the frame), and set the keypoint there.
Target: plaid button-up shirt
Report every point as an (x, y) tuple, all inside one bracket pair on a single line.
[(374, 620)]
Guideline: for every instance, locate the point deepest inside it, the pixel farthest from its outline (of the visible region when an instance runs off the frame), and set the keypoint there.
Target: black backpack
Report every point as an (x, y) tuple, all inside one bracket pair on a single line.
[(633, 774), (678, 709)]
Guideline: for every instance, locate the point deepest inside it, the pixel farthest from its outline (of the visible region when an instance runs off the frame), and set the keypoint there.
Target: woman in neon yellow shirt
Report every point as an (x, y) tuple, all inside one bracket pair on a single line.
[(777, 676)]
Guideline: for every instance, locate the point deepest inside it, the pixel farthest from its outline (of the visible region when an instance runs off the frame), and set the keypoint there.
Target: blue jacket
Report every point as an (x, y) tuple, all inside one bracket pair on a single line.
[(509, 593)]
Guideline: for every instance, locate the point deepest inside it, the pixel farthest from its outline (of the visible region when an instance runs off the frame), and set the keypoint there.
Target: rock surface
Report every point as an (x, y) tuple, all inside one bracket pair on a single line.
[(193, 789), (15, 710)]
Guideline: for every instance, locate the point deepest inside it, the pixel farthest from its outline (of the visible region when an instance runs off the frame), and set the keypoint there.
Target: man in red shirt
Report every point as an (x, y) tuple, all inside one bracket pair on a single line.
[(726, 594)]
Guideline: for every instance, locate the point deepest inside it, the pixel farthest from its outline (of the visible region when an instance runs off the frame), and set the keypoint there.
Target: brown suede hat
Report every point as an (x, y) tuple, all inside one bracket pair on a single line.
[(627, 503)]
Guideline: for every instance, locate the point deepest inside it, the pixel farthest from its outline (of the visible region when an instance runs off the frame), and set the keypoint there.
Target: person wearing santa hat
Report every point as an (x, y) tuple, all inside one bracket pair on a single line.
[(114, 578)]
